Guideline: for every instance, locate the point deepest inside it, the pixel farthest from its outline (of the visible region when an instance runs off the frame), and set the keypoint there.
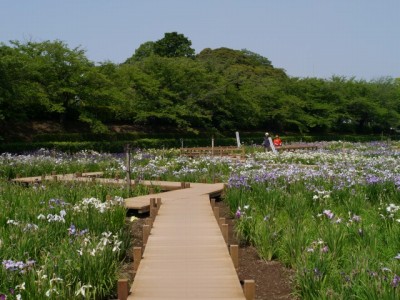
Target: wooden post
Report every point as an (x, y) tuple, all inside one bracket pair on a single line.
[(225, 232), (55, 177), (212, 146), (153, 213), (212, 201), (187, 185), (137, 256), (234, 251), (216, 212), (183, 185), (158, 203), (221, 221), (149, 221), (53, 173), (146, 233), (122, 289), (249, 289), (153, 208)]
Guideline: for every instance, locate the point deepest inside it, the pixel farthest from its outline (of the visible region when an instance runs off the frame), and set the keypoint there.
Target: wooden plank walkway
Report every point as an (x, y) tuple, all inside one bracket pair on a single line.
[(186, 256), (142, 203)]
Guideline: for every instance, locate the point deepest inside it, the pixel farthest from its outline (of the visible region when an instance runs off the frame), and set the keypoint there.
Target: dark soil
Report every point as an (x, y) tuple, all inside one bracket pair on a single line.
[(273, 281)]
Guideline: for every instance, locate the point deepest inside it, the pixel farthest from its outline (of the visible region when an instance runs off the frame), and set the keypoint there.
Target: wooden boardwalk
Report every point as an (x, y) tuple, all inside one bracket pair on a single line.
[(186, 256)]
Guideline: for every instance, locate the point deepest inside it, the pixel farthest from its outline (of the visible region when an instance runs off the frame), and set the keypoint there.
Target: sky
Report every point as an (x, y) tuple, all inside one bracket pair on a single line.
[(306, 38)]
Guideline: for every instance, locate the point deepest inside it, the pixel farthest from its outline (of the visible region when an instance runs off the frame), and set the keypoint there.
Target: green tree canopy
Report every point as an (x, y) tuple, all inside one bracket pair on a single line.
[(174, 45), (145, 50)]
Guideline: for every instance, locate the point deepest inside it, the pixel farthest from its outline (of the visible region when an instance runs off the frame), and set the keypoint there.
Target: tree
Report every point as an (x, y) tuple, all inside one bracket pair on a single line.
[(145, 50), (47, 80), (170, 92), (21, 97), (174, 45), (256, 59)]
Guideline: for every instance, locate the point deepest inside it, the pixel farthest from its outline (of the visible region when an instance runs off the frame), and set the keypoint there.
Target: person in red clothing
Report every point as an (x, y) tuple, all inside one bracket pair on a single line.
[(277, 141)]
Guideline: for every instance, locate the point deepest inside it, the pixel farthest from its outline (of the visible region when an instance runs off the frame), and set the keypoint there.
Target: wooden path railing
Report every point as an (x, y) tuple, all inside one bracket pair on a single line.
[(213, 151)]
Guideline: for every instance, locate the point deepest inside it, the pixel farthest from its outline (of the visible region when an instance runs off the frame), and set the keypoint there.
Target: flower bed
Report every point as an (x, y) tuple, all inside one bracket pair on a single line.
[(332, 215)]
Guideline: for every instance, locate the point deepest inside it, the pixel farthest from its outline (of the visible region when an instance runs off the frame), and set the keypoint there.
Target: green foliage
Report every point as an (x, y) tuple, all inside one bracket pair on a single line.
[(66, 235), (163, 86), (173, 45), (145, 50)]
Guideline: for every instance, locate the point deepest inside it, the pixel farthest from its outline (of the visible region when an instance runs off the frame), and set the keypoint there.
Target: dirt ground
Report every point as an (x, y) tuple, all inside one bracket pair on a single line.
[(273, 281)]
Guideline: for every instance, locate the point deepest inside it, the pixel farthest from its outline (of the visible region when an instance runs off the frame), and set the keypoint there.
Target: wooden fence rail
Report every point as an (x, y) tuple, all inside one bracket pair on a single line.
[(213, 151)]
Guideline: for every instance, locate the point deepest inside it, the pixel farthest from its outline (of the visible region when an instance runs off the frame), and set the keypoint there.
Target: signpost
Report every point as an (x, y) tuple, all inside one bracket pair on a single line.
[(128, 167)]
